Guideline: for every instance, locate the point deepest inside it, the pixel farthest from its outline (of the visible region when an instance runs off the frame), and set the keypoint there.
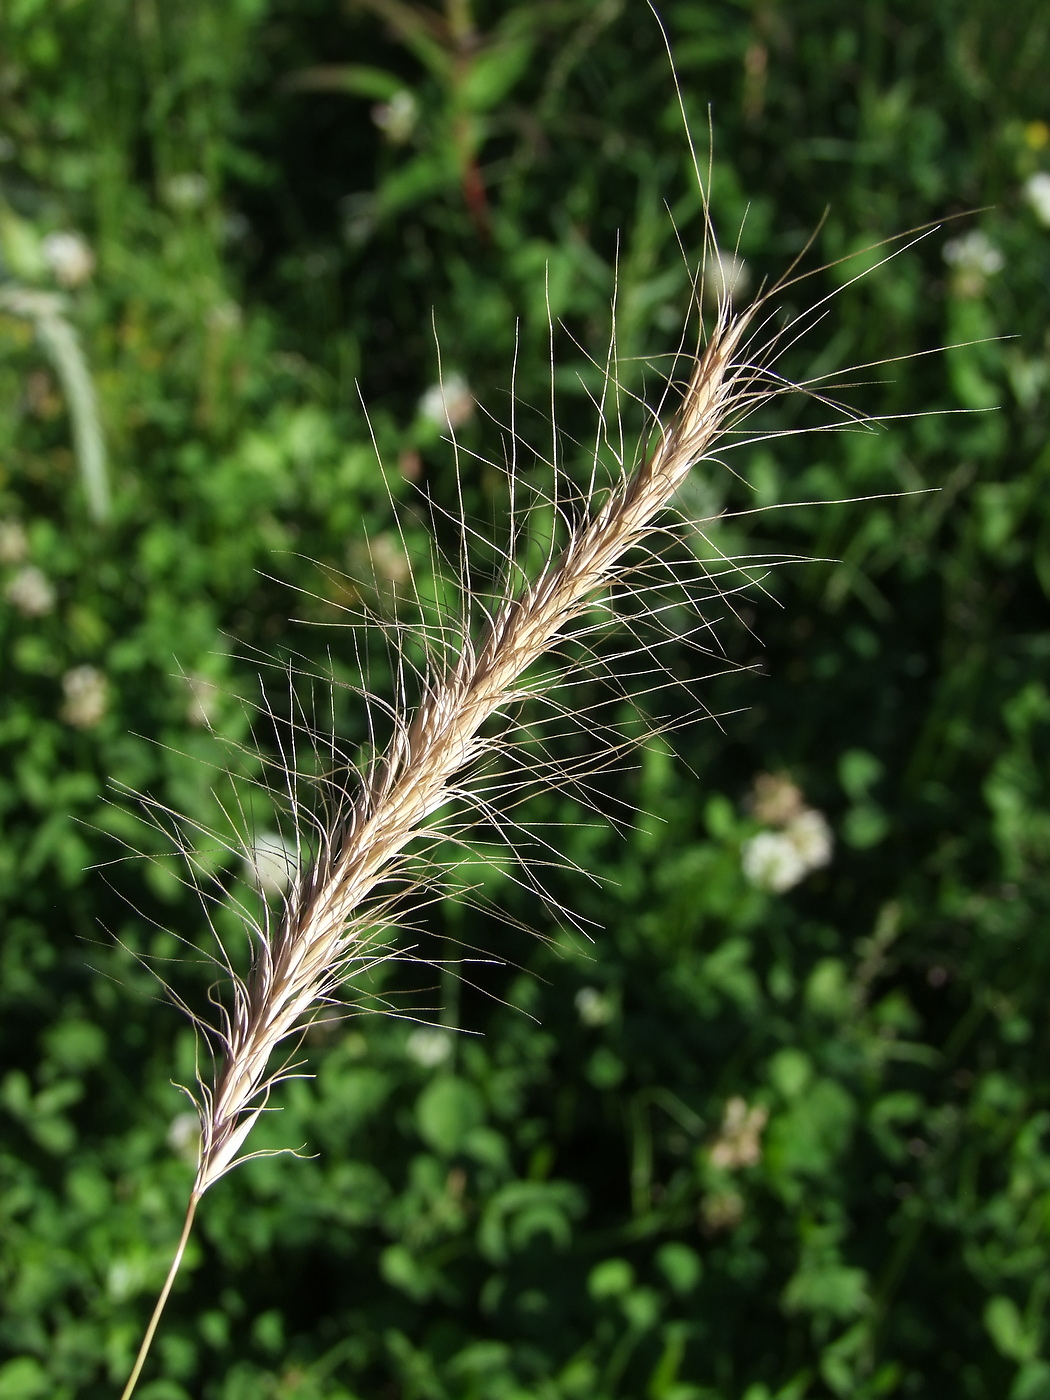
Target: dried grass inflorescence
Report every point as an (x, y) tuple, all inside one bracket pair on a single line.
[(353, 883), (328, 915), (360, 843)]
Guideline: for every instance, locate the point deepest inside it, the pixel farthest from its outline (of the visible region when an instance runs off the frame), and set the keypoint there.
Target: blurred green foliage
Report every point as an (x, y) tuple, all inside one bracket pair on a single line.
[(746, 1144)]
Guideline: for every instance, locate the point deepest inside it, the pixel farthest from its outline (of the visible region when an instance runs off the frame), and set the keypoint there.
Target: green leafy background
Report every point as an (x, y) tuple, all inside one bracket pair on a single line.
[(534, 1207)]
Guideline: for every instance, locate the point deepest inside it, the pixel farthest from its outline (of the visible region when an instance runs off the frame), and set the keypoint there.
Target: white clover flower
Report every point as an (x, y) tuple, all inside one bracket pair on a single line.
[(235, 227), (204, 700), (771, 861), (811, 837), (126, 1277), (775, 799), (30, 591), (725, 274), (1037, 193), (271, 863), (184, 1135), (449, 404), (739, 1142), (85, 692), (397, 118), (721, 1210), (69, 257), (429, 1046), (388, 559), (778, 860), (186, 191), (974, 258), (14, 542), (223, 317), (593, 1007), (974, 252)]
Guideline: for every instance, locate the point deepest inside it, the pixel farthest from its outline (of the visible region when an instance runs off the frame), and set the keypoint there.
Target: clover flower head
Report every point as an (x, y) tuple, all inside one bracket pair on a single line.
[(973, 258), (771, 861), (593, 1007), (739, 1142), (31, 592), (810, 834), (186, 191), (974, 252), (721, 1210), (86, 697), (1037, 193), (775, 799), (397, 118), (725, 275), (449, 404), (69, 257), (203, 702), (429, 1046), (184, 1135), (271, 863), (14, 542), (778, 860), (388, 558)]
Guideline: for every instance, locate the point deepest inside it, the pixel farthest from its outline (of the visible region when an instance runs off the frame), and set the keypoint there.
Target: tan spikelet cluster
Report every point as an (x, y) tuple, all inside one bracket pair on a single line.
[(413, 781), (331, 909), (340, 898), (335, 901)]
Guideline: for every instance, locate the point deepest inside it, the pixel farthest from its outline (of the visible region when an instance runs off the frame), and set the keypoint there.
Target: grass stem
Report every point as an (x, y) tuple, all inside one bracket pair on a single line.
[(147, 1340)]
